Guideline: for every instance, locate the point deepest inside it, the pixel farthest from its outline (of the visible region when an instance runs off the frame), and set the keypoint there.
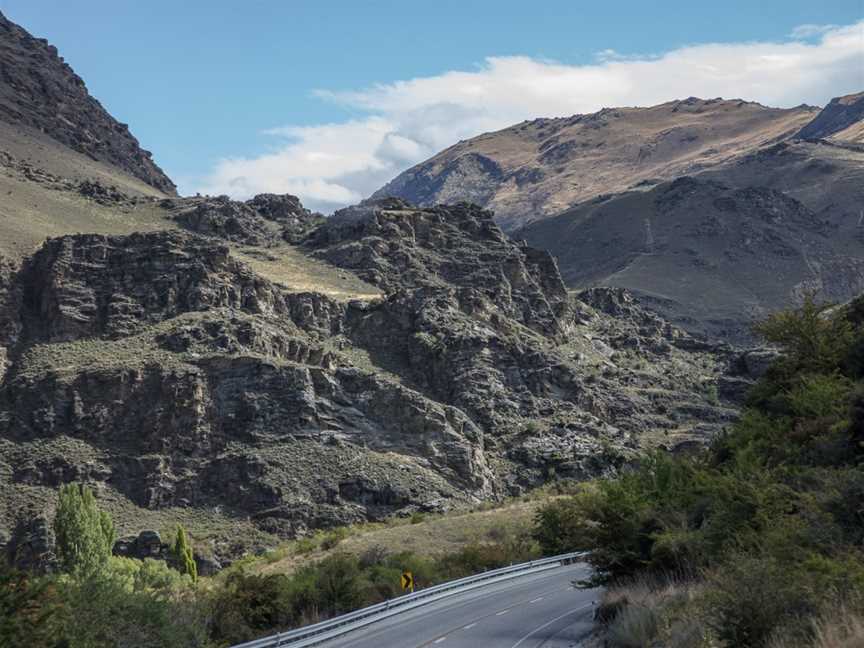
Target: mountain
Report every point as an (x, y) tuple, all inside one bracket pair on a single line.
[(540, 168), (66, 165), (840, 121), (256, 372), (710, 256), (41, 93), (714, 251)]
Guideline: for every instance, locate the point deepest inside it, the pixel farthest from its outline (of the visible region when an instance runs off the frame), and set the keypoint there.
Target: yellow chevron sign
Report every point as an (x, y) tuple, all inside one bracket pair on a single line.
[(407, 581)]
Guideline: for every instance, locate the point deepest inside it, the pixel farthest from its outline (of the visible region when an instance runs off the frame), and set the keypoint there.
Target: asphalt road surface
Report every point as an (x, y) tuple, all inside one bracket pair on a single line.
[(527, 612)]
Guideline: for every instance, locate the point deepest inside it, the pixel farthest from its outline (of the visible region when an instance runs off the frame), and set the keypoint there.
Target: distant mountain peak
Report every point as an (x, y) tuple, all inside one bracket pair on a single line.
[(536, 169)]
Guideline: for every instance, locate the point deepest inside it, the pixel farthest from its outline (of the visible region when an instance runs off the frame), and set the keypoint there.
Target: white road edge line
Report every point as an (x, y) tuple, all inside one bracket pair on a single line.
[(439, 640), (539, 598), (538, 628), (469, 626), (501, 612)]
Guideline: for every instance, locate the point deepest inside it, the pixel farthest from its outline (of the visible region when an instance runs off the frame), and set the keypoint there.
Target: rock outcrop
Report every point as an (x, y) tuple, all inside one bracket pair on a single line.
[(265, 220), (228, 367), (157, 367)]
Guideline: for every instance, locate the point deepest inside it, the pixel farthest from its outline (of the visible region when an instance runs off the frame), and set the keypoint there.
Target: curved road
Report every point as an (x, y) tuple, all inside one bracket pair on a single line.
[(526, 612)]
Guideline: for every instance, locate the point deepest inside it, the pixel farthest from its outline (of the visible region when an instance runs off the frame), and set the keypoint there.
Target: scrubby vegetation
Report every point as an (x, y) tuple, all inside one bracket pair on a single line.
[(758, 540), (98, 600)]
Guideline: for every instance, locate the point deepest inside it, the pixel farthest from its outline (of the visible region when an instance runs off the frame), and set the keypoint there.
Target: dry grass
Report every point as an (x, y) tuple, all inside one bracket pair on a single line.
[(30, 213), (290, 268), (650, 612), (839, 626), (424, 535), (842, 629), (603, 161)]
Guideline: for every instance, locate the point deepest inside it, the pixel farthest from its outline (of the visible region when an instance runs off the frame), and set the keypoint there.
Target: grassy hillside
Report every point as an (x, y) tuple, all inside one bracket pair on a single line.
[(39, 179), (424, 535)]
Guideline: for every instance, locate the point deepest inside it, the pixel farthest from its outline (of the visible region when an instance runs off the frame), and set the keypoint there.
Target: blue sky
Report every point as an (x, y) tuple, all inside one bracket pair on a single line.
[(228, 94)]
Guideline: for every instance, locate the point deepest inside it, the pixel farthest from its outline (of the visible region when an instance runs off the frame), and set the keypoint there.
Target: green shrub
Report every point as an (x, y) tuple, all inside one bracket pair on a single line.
[(337, 578), (332, 538), (812, 340), (752, 596), (30, 609), (252, 605), (303, 546), (102, 612)]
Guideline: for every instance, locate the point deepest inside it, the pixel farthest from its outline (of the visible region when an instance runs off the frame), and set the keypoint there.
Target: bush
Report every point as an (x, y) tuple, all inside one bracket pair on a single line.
[(812, 340), (101, 612), (303, 546), (333, 537), (251, 605), (146, 575), (751, 596), (29, 609)]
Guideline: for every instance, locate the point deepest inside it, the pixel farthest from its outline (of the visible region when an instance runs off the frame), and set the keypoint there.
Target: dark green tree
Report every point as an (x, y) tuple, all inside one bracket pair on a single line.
[(85, 534)]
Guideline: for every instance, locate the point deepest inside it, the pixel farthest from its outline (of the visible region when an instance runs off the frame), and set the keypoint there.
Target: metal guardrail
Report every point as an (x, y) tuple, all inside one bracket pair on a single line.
[(317, 633)]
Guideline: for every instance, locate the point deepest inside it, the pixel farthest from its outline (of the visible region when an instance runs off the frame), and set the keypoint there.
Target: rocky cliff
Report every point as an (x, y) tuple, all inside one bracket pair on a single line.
[(183, 385), (40, 91)]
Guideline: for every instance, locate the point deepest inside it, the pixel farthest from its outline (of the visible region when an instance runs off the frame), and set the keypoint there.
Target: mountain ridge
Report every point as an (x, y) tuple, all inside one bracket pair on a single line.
[(536, 169), (41, 91)]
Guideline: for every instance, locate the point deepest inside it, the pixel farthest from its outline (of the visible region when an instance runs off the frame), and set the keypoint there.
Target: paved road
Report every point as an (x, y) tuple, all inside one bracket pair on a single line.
[(529, 612)]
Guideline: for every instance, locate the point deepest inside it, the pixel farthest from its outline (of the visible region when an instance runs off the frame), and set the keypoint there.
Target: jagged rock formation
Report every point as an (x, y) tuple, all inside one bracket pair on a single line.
[(396, 246), (266, 219), (537, 169), (172, 377), (40, 91)]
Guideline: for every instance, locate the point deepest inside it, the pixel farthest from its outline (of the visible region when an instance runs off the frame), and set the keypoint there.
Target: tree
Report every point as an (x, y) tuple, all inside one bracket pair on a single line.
[(85, 534), (182, 553), (814, 338)]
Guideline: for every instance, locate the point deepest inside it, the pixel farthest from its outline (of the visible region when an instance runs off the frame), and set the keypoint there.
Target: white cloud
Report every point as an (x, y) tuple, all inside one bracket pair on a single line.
[(810, 30), (404, 122)]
